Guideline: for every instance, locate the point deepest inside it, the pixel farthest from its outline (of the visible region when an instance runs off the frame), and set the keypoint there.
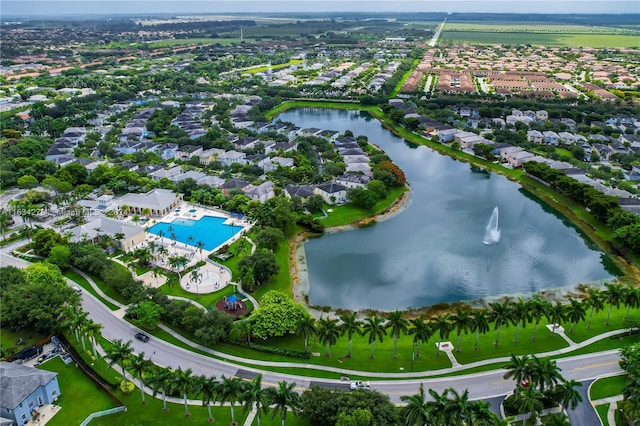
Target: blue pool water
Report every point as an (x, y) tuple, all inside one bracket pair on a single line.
[(192, 211), (209, 229)]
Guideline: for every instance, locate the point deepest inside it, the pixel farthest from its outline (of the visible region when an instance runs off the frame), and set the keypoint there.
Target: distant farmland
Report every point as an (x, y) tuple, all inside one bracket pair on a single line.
[(596, 40), (194, 41)]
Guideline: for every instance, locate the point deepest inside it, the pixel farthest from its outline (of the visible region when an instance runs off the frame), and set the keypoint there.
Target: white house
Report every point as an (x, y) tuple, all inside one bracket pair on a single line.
[(332, 192), (534, 136)]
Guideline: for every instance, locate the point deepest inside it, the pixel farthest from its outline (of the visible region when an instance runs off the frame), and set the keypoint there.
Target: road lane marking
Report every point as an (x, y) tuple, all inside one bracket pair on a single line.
[(602, 364)]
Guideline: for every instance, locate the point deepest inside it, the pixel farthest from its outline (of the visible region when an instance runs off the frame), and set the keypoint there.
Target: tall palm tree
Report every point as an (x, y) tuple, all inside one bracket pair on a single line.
[(255, 396), (200, 246), (461, 322), (118, 353), (528, 401), (556, 314), (631, 298), (594, 301), (443, 325), (480, 414), (283, 398), (398, 325), (613, 296), (328, 332), (480, 324), (568, 394), (499, 314), (306, 327), (559, 419), (519, 313), (230, 390), (75, 319), (421, 331), (416, 410), (208, 389), (376, 331), (140, 365), (545, 373), (457, 407), (160, 381), (538, 309), (437, 406), (93, 331), (242, 328), (575, 312), (183, 381), (518, 368), (177, 263), (350, 325), (196, 277)]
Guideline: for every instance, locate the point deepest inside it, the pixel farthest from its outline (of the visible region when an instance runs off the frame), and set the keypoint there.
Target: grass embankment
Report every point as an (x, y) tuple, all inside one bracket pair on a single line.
[(603, 411), (79, 279), (607, 386), (75, 387)]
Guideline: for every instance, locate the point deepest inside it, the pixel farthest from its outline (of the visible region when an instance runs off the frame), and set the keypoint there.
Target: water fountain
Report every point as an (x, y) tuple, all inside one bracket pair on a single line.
[(491, 232)]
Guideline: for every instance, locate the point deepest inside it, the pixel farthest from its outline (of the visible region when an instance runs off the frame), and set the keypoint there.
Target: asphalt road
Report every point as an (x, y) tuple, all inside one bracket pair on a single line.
[(480, 385)]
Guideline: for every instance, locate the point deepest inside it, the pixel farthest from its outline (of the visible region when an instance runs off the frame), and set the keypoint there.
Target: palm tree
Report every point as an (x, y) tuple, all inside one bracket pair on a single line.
[(161, 380), (140, 365), (75, 318), (230, 390), (350, 325), (568, 395), (480, 414), (528, 401), (255, 396), (416, 411), (196, 277), (328, 332), (519, 369), (499, 314), (519, 313), (556, 314), (306, 327), (545, 373), (376, 331), (559, 419), (200, 246), (118, 353), (283, 398), (93, 331), (421, 331), (177, 263), (443, 325), (594, 301), (437, 406), (461, 322), (538, 308), (456, 410), (575, 312), (631, 298), (397, 325), (480, 324), (208, 389), (182, 381), (242, 328), (613, 296)]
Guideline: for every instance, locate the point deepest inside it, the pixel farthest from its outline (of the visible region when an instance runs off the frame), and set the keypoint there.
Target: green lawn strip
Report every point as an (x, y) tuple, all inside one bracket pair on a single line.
[(404, 78), (602, 345), (192, 41), (270, 420), (603, 411), (607, 386), (206, 300), (273, 67), (9, 339), (151, 413), (581, 333), (82, 282), (79, 396), (348, 213)]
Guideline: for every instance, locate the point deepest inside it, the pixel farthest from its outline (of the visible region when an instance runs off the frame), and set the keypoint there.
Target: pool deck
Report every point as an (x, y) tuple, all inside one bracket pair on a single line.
[(211, 271)]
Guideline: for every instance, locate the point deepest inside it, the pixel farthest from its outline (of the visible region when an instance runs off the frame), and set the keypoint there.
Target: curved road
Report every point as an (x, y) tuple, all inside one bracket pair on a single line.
[(480, 385)]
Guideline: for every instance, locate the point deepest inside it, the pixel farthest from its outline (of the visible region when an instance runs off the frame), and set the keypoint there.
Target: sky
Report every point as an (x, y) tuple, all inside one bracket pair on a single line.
[(90, 7)]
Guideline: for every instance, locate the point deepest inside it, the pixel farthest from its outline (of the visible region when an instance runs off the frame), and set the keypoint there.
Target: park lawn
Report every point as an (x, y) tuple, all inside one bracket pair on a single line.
[(348, 213), (82, 282), (273, 67), (197, 40), (9, 339), (602, 411), (208, 299), (151, 414), (607, 386), (603, 345), (545, 39), (580, 331), (79, 396), (292, 420)]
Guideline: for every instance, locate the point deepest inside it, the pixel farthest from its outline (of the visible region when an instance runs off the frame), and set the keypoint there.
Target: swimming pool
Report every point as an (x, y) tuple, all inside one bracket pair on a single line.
[(210, 230)]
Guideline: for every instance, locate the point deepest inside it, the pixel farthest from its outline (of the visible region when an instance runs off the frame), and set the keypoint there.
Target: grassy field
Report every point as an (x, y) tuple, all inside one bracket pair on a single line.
[(607, 386), (544, 39), (74, 387), (273, 67), (9, 339), (532, 27), (602, 411)]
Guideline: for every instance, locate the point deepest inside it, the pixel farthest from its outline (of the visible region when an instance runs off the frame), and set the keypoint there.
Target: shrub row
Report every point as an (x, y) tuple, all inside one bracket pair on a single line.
[(272, 349)]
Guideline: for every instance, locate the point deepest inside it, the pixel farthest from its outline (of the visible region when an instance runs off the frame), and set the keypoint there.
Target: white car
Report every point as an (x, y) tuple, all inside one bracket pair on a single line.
[(359, 385)]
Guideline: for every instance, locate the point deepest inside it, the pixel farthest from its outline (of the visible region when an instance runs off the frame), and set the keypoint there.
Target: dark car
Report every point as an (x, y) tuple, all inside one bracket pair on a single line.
[(142, 337)]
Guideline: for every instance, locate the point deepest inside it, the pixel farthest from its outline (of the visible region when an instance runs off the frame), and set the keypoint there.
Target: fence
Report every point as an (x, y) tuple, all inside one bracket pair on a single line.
[(102, 413)]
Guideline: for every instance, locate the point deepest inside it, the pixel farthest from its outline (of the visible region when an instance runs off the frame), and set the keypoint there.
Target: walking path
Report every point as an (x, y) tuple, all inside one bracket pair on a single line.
[(612, 400)]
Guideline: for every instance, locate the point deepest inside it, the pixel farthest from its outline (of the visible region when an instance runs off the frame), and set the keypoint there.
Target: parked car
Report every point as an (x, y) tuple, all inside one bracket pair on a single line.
[(77, 289), (142, 337), (359, 385)]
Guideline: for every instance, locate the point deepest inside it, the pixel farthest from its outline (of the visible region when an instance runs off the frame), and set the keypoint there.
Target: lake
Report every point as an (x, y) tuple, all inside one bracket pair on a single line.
[(466, 234)]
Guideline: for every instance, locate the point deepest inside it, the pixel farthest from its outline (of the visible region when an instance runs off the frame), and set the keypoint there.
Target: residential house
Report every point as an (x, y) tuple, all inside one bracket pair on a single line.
[(261, 193), (245, 143), (191, 174), (212, 181), (22, 390), (550, 137), (542, 115), (185, 152), (332, 192), (516, 159), (446, 135), (534, 136), (302, 191), (232, 184), (166, 173), (209, 155), (167, 151), (351, 180), (567, 138), (231, 157), (634, 175), (158, 201), (131, 234)]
